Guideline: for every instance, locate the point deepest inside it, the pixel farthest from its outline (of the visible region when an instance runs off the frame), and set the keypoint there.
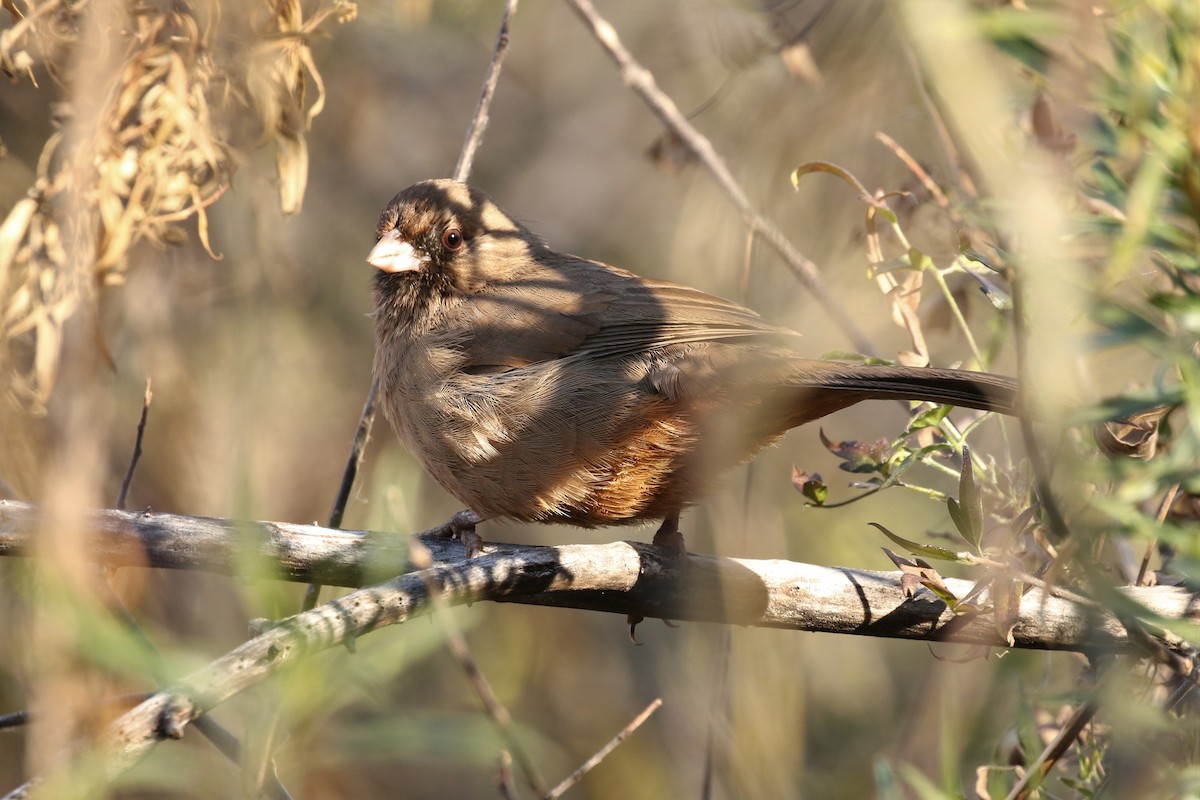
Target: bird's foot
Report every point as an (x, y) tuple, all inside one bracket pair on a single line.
[(462, 527), (673, 541), (668, 537)]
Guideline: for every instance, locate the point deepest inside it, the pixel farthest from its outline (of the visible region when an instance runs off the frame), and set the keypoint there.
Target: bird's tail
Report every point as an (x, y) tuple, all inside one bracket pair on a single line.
[(817, 388)]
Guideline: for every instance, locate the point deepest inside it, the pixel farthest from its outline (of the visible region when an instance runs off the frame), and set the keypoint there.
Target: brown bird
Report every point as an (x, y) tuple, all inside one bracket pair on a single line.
[(544, 387)]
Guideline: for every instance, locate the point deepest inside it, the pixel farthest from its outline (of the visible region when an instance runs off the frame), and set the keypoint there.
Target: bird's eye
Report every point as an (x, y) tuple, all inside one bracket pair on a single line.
[(452, 238)]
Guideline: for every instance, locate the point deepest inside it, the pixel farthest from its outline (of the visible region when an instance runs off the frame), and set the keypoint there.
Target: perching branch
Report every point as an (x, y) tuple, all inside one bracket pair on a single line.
[(620, 578)]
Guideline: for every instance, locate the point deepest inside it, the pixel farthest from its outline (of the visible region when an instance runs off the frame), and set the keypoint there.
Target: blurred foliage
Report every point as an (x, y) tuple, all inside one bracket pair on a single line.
[(132, 128), (1126, 499), (145, 139)]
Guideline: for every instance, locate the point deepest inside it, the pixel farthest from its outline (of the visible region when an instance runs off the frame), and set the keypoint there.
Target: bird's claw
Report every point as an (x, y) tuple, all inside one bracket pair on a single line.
[(462, 527)]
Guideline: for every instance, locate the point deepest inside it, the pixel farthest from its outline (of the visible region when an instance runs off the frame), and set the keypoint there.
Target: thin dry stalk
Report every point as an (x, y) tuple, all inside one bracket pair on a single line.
[(457, 644), (137, 447), (642, 82), (576, 776), (480, 121), (1054, 751)]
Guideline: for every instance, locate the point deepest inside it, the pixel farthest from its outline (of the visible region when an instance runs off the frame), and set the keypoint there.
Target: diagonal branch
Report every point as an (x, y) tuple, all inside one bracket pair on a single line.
[(642, 82), (166, 714)]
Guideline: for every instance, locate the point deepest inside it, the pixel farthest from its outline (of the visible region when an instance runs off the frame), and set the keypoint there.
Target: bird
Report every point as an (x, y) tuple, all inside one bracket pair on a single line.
[(538, 386)]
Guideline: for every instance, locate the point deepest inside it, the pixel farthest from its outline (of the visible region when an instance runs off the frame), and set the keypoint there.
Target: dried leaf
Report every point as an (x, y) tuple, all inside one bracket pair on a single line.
[(45, 364), (799, 62), (904, 299), (1046, 130), (1006, 607), (1136, 436), (157, 150), (670, 154), (858, 457), (843, 173), (12, 234), (811, 486)]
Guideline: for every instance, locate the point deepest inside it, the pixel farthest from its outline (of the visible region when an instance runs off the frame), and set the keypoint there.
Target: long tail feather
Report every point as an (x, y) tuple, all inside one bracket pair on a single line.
[(853, 383)]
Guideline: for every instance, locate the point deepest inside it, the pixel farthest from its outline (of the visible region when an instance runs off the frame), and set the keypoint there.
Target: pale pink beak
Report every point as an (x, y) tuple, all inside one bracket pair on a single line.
[(392, 254)]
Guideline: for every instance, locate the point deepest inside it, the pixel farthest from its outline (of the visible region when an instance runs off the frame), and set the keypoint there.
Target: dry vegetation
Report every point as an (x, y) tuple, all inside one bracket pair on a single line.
[(188, 192)]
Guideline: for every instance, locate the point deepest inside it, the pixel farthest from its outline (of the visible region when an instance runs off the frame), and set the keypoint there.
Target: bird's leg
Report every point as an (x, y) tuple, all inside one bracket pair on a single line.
[(668, 536), (462, 527)]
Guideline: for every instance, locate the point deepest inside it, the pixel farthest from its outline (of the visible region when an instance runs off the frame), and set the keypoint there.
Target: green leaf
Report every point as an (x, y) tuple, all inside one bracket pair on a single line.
[(967, 511), (856, 358), (929, 419), (917, 259), (929, 550), (1123, 326), (943, 594), (958, 517), (1184, 309)]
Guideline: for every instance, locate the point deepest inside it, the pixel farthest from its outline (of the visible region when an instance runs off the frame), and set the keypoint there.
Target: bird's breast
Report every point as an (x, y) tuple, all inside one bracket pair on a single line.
[(551, 441)]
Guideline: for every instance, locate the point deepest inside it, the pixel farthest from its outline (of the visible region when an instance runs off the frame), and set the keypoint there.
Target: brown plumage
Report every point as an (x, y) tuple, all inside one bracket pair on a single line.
[(539, 386)]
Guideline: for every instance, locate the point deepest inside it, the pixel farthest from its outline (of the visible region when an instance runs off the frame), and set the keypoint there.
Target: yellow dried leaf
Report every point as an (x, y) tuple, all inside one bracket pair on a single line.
[(45, 364), (12, 233)]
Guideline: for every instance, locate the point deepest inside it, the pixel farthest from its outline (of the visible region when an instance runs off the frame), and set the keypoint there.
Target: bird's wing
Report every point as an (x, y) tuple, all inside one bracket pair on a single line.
[(568, 306), (653, 315)]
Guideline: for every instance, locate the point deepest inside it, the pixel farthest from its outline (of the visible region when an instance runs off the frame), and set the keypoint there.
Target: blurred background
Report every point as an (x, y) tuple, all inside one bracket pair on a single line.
[(260, 360)]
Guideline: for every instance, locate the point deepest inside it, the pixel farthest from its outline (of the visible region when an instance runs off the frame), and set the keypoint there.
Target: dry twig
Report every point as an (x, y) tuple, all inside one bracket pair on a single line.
[(137, 447), (457, 643), (576, 776), (642, 82)]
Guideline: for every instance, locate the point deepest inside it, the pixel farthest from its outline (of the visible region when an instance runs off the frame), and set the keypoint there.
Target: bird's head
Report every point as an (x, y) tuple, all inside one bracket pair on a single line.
[(444, 235)]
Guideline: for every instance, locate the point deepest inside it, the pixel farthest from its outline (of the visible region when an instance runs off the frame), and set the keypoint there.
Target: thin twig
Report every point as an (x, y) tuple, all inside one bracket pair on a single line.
[(225, 742), (600, 755), (1164, 508), (1054, 751), (719, 718), (137, 447), (15, 719), (917, 170), (457, 644), (965, 171), (461, 172), (1033, 448), (1051, 589), (466, 158), (642, 82), (504, 777), (358, 447)]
